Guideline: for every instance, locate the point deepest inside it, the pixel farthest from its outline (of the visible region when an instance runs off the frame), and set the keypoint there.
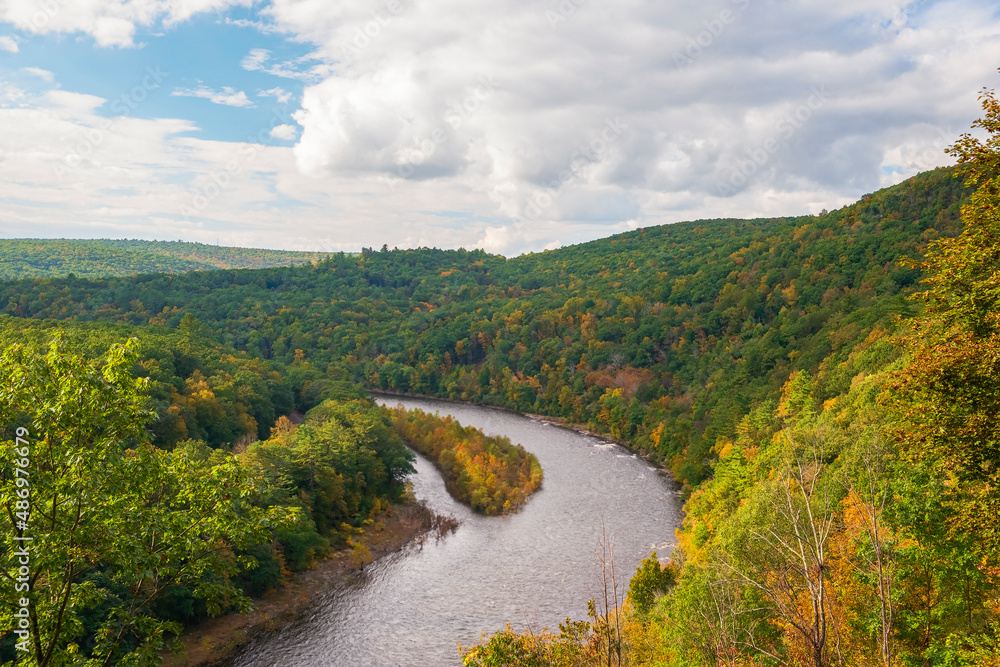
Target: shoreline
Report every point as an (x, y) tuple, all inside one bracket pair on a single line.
[(583, 430), (218, 640), (552, 421)]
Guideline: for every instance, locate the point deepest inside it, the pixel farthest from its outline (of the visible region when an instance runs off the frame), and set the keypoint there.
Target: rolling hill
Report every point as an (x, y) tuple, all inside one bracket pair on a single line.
[(48, 258)]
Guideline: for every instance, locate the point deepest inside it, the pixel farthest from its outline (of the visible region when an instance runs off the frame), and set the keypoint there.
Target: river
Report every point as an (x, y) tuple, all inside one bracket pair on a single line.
[(532, 569)]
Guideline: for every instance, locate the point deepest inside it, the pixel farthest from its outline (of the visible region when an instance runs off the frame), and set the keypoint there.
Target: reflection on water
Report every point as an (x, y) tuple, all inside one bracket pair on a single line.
[(531, 569)]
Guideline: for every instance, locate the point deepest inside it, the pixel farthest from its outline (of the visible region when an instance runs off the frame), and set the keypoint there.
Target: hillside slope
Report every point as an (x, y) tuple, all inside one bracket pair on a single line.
[(664, 337), (49, 258)]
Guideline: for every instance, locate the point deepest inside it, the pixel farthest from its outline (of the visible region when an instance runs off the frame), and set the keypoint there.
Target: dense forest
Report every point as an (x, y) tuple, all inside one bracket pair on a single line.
[(198, 388), (824, 387), (130, 541), (662, 337), (40, 258), (853, 520)]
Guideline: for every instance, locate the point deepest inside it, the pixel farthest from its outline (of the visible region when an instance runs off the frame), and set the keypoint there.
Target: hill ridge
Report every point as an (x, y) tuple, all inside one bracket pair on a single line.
[(86, 258)]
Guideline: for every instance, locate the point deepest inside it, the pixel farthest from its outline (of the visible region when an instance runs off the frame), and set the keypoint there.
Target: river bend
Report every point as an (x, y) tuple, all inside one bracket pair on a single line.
[(531, 569)]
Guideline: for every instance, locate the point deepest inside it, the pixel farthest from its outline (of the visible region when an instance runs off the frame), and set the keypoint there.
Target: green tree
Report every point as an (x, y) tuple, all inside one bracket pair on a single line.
[(649, 579), (104, 501)]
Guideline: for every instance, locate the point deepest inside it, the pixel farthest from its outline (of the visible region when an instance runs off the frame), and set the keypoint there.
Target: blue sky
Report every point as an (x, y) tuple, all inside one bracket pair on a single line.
[(509, 126), (203, 52)]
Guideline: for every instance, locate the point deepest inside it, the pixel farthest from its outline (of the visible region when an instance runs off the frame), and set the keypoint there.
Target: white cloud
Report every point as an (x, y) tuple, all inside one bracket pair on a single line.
[(259, 26), (109, 22), (279, 94), (259, 60), (42, 74), (227, 96), (9, 44), (255, 60), (10, 94), (507, 114), (69, 172), (113, 31), (520, 237), (284, 132), (72, 103), (406, 102)]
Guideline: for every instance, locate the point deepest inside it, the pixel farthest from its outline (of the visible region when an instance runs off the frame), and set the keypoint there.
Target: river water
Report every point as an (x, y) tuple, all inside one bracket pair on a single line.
[(532, 569)]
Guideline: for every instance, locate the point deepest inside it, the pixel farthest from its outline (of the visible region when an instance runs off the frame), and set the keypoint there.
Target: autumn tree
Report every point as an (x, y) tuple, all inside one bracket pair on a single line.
[(869, 480), (949, 394), (779, 546)]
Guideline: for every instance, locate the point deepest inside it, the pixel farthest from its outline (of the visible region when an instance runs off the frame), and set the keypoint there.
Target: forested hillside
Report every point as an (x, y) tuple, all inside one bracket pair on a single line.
[(198, 388), (851, 521), (129, 542), (39, 258), (664, 337)]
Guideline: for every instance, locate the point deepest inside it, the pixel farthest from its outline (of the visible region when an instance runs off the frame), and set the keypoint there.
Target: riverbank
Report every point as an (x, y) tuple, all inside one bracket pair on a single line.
[(535, 567), (219, 639), (552, 421), (583, 430)]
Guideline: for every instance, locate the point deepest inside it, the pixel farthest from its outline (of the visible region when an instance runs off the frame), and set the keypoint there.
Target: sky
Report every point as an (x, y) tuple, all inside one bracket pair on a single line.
[(512, 126)]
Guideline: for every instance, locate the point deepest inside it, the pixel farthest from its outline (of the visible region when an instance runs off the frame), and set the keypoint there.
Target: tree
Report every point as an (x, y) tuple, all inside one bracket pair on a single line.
[(607, 623), (949, 394), (104, 501), (870, 491), (649, 579), (781, 547)]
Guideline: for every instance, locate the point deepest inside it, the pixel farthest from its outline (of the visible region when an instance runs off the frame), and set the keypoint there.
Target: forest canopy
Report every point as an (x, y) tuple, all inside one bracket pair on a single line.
[(39, 258), (853, 520), (663, 337), (130, 542)]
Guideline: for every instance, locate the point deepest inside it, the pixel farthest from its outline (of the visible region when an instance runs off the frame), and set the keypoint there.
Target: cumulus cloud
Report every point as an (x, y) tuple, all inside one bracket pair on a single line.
[(734, 108), (555, 122), (70, 172), (9, 44), (284, 132), (227, 96)]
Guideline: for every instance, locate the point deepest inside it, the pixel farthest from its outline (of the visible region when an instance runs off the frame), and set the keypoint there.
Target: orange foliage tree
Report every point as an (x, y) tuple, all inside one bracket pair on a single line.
[(488, 473)]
